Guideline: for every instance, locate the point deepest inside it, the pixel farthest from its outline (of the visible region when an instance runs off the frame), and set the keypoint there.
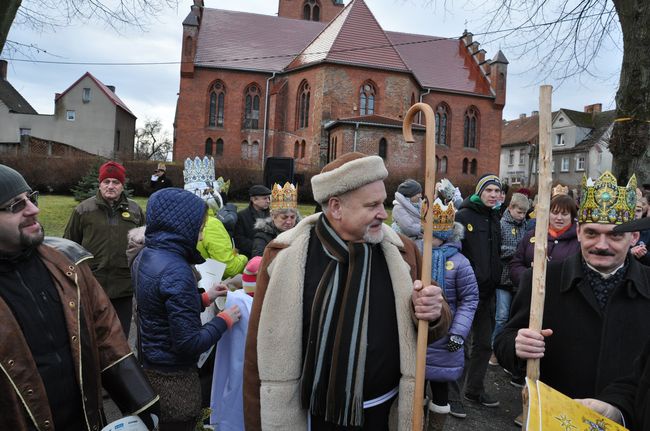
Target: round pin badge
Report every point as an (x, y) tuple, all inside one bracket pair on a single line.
[(449, 265), (514, 231), (532, 240), (470, 227), (125, 214)]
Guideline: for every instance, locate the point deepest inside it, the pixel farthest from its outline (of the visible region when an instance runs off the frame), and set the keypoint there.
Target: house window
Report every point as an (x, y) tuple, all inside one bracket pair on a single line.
[(443, 165), (580, 163), (465, 165), (311, 10), (208, 147), (219, 149), (383, 148), (303, 105), (473, 167), (521, 157), (25, 131), (564, 166), (244, 150), (470, 131), (559, 139), (118, 136), (85, 95), (367, 99), (70, 115), (511, 158), (442, 120), (252, 107), (217, 104), (255, 151), (333, 144)]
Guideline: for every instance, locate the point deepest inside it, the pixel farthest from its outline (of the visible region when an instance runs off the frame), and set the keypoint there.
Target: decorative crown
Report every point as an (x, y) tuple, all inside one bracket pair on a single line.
[(603, 201), (199, 170), (283, 198), (223, 185), (443, 215), (560, 190)]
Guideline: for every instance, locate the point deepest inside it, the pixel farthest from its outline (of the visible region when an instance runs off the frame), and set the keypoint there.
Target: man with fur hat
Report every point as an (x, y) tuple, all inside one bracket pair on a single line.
[(332, 334), (100, 224), (60, 340), (596, 306), (260, 200)]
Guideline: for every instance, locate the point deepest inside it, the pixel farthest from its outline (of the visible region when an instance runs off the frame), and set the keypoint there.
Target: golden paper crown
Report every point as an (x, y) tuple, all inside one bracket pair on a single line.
[(283, 198), (603, 201), (560, 190), (443, 215)]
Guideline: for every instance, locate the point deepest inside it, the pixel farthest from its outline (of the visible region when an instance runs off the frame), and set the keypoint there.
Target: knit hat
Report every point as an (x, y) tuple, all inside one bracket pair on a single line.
[(409, 188), (347, 173), (11, 184), (258, 190), (485, 181), (249, 277), (112, 170)]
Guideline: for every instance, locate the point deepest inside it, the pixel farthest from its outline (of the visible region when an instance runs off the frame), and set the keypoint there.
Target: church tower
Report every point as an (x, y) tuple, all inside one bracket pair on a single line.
[(310, 10)]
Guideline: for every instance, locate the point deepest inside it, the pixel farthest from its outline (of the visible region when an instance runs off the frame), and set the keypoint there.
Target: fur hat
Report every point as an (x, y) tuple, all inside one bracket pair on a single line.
[(249, 277), (347, 173), (112, 170), (11, 184)]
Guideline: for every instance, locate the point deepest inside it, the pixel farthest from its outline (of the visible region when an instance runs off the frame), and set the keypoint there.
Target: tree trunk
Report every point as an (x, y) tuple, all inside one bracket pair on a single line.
[(630, 139), (8, 9)]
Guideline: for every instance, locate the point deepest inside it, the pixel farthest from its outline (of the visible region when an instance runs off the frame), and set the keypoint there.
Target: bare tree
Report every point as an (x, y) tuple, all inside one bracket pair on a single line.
[(151, 142), (564, 37), (50, 14)]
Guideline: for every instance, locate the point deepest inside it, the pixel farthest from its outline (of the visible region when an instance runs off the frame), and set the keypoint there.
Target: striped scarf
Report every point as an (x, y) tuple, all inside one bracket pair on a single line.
[(332, 377)]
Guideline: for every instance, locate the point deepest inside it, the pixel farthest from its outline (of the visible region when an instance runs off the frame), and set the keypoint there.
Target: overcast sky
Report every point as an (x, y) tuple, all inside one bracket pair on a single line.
[(150, 91)]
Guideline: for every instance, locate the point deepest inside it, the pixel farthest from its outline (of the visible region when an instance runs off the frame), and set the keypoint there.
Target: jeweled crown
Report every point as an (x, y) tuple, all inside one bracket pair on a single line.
[(283, 198), (199, 170), (604, 201), (443, 215)]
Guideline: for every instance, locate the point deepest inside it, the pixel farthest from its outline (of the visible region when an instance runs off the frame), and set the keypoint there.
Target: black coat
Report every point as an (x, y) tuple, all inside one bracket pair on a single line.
[(589, 349), (482, 244), (632, 394), (244, 229), (265, 232)]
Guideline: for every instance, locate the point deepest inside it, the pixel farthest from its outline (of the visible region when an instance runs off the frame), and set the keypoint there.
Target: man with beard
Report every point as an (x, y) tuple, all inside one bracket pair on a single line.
[(596, 305), (60, 339), (331, 338)]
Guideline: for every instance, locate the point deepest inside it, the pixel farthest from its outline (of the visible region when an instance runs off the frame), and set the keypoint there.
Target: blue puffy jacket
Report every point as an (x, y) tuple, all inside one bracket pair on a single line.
[(461, 293), (169, 303)]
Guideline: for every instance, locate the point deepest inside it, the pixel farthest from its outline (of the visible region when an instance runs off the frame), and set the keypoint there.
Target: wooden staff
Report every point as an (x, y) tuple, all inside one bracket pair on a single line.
[(429, 190), (544, 181)]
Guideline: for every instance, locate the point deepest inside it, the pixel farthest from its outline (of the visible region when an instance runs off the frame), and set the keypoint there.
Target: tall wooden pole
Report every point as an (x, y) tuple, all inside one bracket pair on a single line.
[(544, 181), (429, 190)]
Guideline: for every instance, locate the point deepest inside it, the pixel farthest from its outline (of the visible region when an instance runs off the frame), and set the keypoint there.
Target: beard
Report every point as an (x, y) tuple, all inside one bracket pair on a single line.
[(33, 240), (373, 238)]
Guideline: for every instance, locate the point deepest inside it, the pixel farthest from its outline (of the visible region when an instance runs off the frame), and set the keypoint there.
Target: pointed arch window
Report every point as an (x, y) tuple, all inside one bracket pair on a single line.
[(443, 165), (208, 147), (296, 150), (311, 10), (252, 107), (470, 130), (473, 167), (217, 104), (465, 165), (383, 148), (303, 145), (442, 124), (367, 99), (219, 147), (303, 105)]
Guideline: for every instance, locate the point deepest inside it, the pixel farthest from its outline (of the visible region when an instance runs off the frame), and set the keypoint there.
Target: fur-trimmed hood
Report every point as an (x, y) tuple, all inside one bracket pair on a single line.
[(135, 243), (458, 233)]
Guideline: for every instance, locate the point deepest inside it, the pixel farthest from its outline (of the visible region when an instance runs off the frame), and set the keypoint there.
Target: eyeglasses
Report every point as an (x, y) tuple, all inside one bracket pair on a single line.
[(20, 205)]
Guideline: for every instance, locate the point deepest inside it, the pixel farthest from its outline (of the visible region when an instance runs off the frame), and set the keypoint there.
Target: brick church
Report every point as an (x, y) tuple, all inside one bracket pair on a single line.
[(322, 79)]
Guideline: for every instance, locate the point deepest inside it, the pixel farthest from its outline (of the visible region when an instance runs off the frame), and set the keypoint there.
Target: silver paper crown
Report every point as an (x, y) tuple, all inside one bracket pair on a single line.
[(199, 170)]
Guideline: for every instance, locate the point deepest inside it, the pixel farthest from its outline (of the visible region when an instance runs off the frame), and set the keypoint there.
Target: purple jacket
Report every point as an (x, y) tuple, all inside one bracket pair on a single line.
[(461, 293), (558, 249)]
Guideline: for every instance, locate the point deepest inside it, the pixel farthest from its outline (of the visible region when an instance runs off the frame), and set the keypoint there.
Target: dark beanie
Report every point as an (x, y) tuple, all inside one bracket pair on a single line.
[(112, 170), (487, 180), (258, 190), (409, 188), (11, 184)]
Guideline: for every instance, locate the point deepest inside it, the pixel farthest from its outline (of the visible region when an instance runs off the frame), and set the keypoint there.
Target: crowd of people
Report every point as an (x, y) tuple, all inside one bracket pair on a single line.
[(323, 333)]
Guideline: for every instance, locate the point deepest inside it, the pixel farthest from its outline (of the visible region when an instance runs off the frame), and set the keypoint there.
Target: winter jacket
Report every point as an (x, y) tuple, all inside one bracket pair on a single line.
[(512, 231), (589, 348), (461, 293), (559, 249), (265, 232), (99, 350), (245, 228), (216, 244), (406, 217), (101, 229), (482, 244), (169, 304), (228, 216)]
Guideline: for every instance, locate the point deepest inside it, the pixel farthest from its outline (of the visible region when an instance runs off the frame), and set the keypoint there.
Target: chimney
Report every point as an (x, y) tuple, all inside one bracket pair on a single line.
[(3, 70), (594, 109), (532, 114), (522, 116), (111, 87)]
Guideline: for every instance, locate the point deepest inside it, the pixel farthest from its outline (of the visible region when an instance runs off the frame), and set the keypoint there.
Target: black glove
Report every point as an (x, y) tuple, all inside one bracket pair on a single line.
[(150, 416)]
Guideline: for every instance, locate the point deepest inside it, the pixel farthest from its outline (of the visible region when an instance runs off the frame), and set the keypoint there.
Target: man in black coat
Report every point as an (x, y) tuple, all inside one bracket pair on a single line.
[(260, 199), (596, 305), (482, 246)]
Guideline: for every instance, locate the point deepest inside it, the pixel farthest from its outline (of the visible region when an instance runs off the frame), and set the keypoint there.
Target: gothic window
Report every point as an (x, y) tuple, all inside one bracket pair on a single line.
[(303, 145), (367, 99), (442, 124), (219, 149), (296, 150), (383, 148), (465, 165), (473, 168), (443, 165), (244, 150), (255, 151), (311, 10), (208, 147), (252, 107), (470, 131), (303, 105), (217, 102)]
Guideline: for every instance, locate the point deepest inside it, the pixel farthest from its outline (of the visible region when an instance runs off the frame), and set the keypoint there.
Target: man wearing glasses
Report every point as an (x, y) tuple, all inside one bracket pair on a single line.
[(59, 337)]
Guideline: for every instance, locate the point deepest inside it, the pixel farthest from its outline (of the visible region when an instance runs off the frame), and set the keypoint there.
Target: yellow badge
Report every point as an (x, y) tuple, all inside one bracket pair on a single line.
[(470, 227), (532, 240), (514, 231), (449, 265), (125, 214)]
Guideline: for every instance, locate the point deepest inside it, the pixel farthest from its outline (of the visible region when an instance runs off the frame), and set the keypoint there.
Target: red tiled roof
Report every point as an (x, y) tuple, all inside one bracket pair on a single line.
[(353, 37), (520, 131), (239, 40), (107, 91), (440, 63)]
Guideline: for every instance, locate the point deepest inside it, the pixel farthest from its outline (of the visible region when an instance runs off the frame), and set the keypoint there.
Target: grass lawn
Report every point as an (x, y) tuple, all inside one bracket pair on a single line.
[(56, 210)]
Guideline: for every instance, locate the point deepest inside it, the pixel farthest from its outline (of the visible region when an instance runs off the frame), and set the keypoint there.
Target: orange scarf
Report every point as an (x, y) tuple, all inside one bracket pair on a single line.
[(556, 233)]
